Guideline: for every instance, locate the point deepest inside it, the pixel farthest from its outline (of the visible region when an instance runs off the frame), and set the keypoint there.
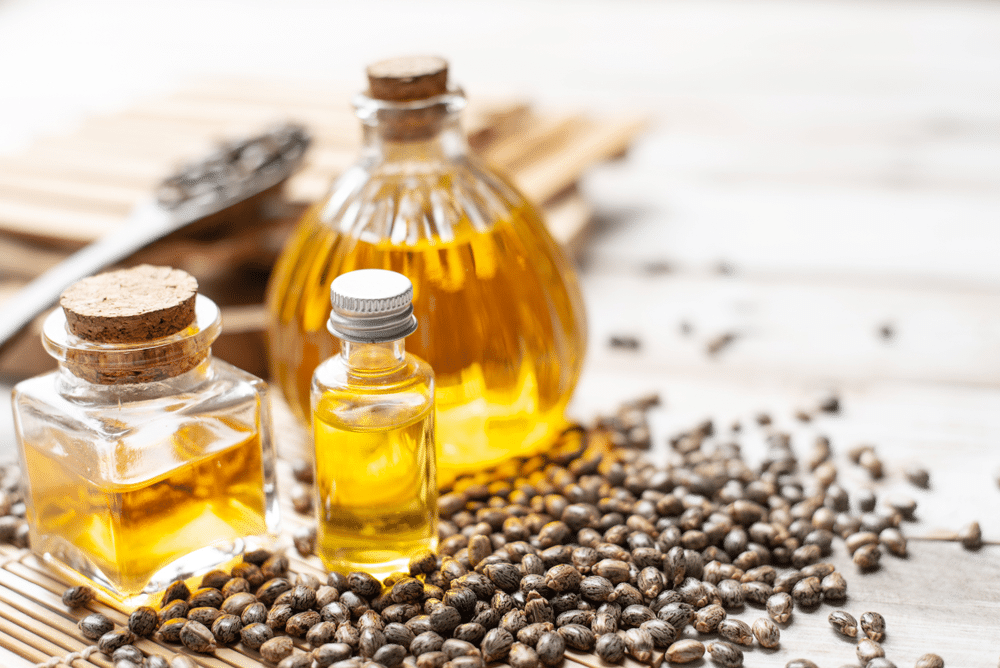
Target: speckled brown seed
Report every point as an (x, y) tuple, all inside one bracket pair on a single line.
[(170, 630), (299, 624), (206, 616), (685, 651), (843, 623), (76, 597), (177, 591), (800, 663), (143, 621), (331, 653), (256, 634), (867, 649), (551, 648), (112, 640), (276, 649), (197, 638), (779, 607), (930, 661), (610, 647), (766, 632), (226, 629), (867, 557), (296, 661), (496, 645), (390, 655), (725, 654), (522, 656), (834, 587), (206, 597), (639, 644), (95, 625), (253, 614), (736, 631), (873, 624), (663, 633), (707, 619)]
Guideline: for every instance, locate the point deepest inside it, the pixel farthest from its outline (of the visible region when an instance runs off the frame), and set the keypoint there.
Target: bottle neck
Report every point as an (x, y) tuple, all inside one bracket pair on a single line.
[(421, 132), (373, 359)]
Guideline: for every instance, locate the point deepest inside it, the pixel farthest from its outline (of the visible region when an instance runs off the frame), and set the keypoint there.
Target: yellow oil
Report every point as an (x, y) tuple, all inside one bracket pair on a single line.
[(501, 324), (128, 537), (375, 485)]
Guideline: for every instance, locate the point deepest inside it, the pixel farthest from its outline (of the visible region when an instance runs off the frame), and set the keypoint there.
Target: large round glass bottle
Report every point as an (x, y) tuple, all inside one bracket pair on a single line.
[(501, 315)]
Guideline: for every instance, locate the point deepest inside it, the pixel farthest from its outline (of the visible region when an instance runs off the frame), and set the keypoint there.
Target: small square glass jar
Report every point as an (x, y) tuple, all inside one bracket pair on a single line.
[(144, 462)]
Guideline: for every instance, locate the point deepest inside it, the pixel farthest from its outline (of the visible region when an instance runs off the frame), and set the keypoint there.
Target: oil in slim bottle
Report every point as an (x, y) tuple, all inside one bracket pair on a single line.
[(373, 426), (145, 460), (501, 315)]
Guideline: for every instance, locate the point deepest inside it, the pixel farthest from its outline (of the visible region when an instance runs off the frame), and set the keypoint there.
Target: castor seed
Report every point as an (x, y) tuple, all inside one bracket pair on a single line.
[(685, 651), (550, 648), (779, 607), (276, 649), (95, 625), (867, 649), (112, 640), (79, 596), (331, 653), (610, 647), (735, 631), (843, 623), (873, 624), (766, 632), (197, 638), (226, 629), (725, 654), (256, 634)]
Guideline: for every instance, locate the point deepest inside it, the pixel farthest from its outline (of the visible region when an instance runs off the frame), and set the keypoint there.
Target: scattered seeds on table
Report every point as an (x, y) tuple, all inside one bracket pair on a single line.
[(779, 607), (800, 663), (843, 623), (971, 536), (867, 649), (725, 654), (930, 661), (685, 651), (736, 631), (867, 557), (873, 624), (766, 632)]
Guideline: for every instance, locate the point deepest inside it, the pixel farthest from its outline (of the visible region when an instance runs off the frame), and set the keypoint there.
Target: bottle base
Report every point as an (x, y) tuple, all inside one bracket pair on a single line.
[(126, 596)]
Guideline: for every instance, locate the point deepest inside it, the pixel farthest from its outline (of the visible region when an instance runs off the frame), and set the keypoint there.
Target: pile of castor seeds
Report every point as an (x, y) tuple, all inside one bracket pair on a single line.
[(590, 548)]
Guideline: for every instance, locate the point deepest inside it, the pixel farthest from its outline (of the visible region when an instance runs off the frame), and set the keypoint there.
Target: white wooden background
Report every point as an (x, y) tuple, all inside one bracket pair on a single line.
[(840, 158)]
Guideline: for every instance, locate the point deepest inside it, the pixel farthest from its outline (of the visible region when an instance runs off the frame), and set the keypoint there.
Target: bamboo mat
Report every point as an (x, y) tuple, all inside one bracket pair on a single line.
[(35, 626)]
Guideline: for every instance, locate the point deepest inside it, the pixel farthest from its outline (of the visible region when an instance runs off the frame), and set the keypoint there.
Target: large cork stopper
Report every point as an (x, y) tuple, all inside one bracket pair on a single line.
[(130, 305), (409, 78)]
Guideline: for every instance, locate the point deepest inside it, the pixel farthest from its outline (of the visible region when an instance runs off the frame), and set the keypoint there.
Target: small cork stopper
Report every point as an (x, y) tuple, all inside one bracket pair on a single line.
[(410, 78), (130, 305)]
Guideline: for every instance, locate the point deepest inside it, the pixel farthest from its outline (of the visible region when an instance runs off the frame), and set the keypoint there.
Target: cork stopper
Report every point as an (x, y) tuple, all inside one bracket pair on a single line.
[(130, 305), (409, 78)]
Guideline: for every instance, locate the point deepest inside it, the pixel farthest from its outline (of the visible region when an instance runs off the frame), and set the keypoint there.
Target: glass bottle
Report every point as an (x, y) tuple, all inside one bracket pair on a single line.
[(145, 459), (502, 321), (373, 427)]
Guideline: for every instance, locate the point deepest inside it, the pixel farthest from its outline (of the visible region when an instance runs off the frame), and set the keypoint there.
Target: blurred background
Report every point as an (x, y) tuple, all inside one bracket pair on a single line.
[(809, 200)]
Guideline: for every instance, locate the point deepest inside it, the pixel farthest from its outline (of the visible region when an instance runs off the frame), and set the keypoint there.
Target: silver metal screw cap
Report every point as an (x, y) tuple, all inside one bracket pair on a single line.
[(371, 306)]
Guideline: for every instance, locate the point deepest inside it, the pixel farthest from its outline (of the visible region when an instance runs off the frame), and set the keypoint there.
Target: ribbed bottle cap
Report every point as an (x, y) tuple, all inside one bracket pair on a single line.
[(371, 306)]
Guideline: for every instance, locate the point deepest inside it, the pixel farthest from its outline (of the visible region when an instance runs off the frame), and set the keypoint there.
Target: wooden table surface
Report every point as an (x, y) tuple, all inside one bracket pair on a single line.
[(819, 171)]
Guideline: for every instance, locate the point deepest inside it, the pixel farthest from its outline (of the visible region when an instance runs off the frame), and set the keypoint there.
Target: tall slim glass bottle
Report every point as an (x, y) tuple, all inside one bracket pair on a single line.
[(373, 426)]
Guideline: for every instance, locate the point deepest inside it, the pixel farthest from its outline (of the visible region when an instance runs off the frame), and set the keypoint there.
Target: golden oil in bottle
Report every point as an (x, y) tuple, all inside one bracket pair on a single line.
[(373, 428), (131, 529), (145, 459), (501, 313)]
